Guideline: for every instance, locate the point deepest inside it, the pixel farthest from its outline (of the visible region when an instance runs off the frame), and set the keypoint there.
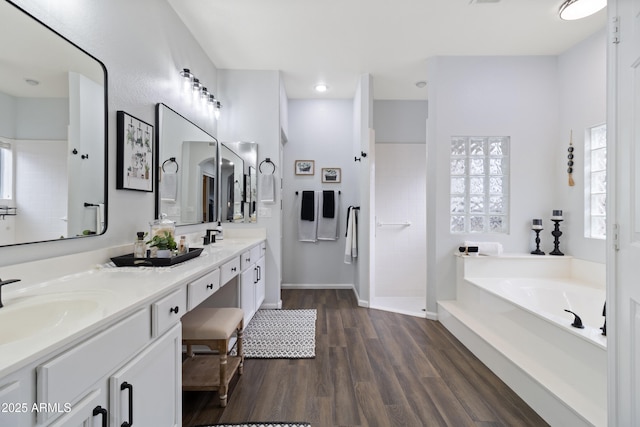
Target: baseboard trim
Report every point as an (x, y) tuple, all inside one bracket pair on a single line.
[(317, 286)]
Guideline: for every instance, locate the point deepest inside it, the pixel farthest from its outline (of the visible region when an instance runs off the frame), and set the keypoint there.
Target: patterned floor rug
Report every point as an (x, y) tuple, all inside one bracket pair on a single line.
[(281, 334)]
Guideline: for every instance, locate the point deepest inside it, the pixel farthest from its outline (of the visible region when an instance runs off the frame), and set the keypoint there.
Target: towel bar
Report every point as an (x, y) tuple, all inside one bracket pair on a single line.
[(404, 224)]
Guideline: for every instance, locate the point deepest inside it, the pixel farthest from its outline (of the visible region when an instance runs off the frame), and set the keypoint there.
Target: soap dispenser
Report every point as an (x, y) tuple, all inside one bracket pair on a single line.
[(139, 246), (219, 233)]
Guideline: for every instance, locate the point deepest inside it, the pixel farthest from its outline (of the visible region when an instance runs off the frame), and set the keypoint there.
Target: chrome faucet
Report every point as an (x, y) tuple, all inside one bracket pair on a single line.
[(5, 282)]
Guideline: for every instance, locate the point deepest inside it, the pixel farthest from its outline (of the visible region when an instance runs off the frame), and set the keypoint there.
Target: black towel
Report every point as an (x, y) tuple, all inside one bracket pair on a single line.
[(308, 208), (328, 204)]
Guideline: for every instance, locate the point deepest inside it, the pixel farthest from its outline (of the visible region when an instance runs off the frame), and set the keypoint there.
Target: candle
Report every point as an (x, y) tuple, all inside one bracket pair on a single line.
[(557, 214), (536, 224)]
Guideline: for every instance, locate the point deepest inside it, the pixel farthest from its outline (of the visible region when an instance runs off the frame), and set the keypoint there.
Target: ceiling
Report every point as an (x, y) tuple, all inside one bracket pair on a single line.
[(336, 41)]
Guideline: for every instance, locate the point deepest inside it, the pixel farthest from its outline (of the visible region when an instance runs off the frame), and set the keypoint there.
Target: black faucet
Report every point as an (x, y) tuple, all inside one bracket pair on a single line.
[(577, 321), (604, 313), (208, 237), (5, 282)]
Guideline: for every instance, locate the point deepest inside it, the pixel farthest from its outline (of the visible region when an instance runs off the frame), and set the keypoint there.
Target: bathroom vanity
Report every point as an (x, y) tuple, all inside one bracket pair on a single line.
[(101, 345)]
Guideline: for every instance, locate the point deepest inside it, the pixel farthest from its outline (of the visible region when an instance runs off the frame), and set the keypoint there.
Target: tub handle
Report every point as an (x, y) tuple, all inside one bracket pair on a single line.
[(577, 321)]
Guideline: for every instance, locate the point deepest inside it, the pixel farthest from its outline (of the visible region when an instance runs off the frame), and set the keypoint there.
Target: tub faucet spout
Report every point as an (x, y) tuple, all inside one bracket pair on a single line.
[(604, 313), (577, 321)]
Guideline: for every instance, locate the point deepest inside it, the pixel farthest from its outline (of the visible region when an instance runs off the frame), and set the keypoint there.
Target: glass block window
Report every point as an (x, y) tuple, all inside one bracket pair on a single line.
[(596, 182), (479, 184)]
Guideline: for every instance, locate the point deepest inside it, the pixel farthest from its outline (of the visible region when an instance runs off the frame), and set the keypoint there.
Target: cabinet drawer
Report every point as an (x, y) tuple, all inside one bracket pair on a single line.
[(63, 379), (229, 270), (245, 260), (168, 311), (202, 288), (250, 257)]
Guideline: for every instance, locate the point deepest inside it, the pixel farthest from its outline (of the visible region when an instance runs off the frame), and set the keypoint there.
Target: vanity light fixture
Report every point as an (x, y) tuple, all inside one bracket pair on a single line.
[(200, 94), (577, 9), (187, 79)]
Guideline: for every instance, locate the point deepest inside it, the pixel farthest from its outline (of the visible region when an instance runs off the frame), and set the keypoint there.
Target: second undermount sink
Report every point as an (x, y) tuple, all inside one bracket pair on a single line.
[(29, 316)]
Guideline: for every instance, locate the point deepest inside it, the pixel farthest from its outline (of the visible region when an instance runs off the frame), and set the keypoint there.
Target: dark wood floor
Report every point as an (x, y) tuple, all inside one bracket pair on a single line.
[(372, 368)]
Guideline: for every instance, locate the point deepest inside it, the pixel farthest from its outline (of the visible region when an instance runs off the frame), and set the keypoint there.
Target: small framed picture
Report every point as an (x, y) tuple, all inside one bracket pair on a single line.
[(136, 153), (331, 175), (305, 167)]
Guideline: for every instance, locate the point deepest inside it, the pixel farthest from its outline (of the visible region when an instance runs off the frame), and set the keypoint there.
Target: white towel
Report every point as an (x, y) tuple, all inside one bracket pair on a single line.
[(268, 189), (169, 187), (486, 248), (351, 245), (327, 227), (100, 218), (307, 230)]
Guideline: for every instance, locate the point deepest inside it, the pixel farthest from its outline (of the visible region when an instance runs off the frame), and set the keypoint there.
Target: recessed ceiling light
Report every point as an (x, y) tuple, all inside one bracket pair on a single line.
[(421, 84), (32, 82), (321, 87)]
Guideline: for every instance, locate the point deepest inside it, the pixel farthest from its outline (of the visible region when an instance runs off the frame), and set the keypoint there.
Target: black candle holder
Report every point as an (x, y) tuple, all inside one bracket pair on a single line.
[(537, 251), (556, 233)]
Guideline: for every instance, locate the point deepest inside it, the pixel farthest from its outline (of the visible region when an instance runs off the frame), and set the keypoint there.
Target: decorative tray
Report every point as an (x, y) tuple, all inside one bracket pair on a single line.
[(129, 261)]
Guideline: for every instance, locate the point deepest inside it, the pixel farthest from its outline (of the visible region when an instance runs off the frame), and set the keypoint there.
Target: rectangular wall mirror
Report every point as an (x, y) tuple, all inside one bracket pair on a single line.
[(53, 162), (187, 178), (238, 185)]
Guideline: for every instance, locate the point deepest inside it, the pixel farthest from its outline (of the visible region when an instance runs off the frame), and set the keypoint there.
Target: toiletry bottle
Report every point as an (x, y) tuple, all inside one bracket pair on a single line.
[(219, 235), (139, 246), (182, 246)]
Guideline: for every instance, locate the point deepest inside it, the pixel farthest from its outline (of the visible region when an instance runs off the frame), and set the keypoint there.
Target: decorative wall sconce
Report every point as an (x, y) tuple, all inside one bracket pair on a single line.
[(200, 93)]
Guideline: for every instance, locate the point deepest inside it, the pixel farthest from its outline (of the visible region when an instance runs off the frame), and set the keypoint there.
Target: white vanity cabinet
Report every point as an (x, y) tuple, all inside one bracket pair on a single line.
[(129, 371), (252, 285), (148, 390)]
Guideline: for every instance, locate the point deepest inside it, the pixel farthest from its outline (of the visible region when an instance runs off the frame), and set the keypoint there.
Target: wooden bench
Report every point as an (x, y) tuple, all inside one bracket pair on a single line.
[(214, 328)]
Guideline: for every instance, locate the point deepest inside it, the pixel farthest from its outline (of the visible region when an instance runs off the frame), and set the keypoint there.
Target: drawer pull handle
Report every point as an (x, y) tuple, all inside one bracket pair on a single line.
[(248, 260), (175, 309), (210, 286), (125, 385), (99, 410), (259, 273), (233, 269)]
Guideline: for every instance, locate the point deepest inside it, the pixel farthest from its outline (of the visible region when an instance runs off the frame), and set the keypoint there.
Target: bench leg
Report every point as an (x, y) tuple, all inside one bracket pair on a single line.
[(222, 391), (239, 335)]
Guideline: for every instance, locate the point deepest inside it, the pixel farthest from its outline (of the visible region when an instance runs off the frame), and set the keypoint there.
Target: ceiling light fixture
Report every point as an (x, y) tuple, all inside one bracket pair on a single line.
[(32, 82), (321, 87), (571, 10), (421, 84)]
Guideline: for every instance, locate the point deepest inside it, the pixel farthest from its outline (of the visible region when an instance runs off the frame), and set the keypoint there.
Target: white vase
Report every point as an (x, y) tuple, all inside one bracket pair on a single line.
[(164, 253)]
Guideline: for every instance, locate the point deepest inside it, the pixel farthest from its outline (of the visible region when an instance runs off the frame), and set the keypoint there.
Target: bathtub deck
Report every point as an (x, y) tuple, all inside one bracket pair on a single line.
[(515, 354)]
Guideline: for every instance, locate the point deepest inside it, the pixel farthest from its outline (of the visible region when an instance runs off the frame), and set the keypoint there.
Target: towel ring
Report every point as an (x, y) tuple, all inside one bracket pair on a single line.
[(172, 160), (267, 160)]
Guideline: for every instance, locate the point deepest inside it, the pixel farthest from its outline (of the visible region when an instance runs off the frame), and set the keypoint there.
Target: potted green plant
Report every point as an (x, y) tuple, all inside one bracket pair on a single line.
[(165, 244)]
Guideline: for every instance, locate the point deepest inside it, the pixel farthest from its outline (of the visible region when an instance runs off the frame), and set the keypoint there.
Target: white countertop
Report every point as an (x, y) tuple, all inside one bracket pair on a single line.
[(42, 316)]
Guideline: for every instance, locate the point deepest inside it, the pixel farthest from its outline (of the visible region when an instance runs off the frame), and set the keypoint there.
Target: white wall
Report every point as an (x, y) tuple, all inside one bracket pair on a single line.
[(320, 130), (143, 45), (582, 70), (252, 113), (511, 96), (400, 121)]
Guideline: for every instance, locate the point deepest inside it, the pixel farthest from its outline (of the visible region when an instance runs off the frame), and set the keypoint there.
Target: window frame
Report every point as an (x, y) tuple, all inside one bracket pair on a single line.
[(589, 172)]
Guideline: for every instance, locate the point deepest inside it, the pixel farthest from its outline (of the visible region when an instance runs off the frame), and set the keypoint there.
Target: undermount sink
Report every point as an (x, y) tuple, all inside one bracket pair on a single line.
[(29, 316)]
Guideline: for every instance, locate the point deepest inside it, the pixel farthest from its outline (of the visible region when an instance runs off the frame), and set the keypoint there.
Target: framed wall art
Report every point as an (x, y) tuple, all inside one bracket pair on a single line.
[(305, 167), (136, 153), (331, 175)]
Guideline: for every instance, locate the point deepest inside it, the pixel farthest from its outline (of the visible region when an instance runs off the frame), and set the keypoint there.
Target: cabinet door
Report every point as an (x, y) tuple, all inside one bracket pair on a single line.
[(148, 390), (260, 285), (16, 399), (90, 411), (247, 294)]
